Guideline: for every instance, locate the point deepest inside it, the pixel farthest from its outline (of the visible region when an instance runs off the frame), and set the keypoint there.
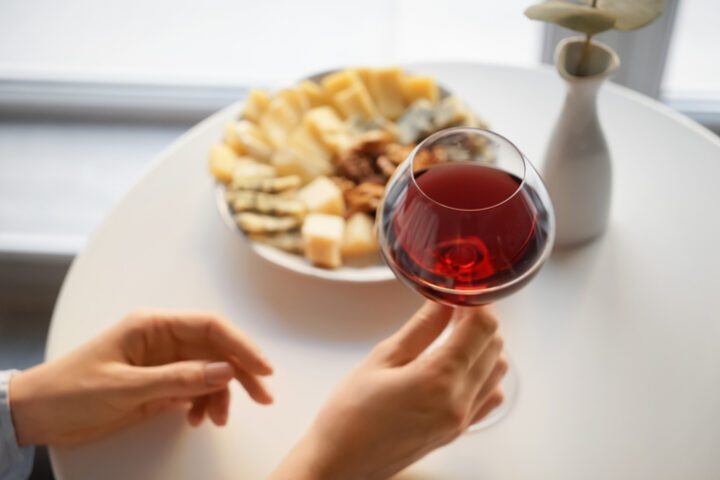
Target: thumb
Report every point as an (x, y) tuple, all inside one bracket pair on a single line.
[(418, 333), (184, 379)]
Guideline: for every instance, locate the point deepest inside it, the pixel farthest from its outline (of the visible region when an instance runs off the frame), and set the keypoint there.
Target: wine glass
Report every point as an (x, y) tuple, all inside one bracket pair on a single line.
[(466, 220)]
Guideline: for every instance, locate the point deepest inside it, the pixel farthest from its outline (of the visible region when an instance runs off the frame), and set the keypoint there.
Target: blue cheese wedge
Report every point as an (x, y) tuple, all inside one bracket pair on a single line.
[(290, 241), (242, 201), (416, 122), (267, 185), (258, 223)]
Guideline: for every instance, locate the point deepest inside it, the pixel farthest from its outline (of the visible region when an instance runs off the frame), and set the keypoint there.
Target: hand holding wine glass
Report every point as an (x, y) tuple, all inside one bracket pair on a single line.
[(466, 220), (403, 401)]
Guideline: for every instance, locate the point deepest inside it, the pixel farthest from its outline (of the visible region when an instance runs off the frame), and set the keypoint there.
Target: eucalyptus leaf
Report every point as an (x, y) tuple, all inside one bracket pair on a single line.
[(632, 14), (576, 17)]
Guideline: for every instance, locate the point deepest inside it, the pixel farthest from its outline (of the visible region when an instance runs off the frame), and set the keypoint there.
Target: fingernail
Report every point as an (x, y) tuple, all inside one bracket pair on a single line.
[(218, 373)]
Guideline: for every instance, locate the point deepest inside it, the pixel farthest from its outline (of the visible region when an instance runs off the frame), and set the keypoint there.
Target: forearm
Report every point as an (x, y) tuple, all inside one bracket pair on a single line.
[(25, 396), (15, 461), (308, 460)]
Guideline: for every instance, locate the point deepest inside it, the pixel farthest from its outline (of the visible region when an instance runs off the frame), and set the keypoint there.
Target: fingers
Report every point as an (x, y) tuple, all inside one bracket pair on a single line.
[(196, 414), (211, 332), (254, 387), (490, 404), (486, 390), (488, 368), (417, 334), (218, 407), (182, 379), (474, 329), (234, 342)]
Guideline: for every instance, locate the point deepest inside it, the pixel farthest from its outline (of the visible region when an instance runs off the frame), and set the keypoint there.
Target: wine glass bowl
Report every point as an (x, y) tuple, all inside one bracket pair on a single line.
[(466, 218)]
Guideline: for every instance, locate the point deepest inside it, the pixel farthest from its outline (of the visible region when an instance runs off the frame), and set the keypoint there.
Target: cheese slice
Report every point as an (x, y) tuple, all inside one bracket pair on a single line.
[(303, 141), (248, 168), (253, 140), (232, 138), (359, 236), (365, 74), (255, 105), (337, 81), (415, 87), (322, 195), (328, 128), (355, 99), (278, 121), (296, 99), (222, 162), (290, 161), (387, 91), (322, 235), (313, 93)]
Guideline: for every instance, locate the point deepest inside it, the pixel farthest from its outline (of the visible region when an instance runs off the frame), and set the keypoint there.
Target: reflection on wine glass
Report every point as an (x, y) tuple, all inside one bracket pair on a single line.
[(466, 220)]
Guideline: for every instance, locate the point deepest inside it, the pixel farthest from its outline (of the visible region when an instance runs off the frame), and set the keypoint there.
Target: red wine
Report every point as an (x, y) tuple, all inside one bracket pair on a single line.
[(465, 233)]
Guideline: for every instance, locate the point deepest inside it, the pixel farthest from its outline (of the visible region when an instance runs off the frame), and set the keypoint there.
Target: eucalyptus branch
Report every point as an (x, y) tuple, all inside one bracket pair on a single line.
[(594, 17), (582, 68)]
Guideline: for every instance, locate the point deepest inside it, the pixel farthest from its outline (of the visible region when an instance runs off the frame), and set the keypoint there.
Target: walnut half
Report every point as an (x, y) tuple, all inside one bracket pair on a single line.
[(366, 197)]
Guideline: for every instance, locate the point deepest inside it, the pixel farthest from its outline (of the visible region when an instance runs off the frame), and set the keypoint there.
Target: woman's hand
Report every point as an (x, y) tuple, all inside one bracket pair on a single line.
[(149, 362), (398, 405)]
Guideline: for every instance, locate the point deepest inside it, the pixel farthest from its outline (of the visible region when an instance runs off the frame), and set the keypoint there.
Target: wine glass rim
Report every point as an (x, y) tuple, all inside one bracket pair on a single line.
[(476, 131)]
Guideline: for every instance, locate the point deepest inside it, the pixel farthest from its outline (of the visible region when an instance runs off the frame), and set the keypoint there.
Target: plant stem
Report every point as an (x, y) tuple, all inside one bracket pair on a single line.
[(582, 69), (585, 56)]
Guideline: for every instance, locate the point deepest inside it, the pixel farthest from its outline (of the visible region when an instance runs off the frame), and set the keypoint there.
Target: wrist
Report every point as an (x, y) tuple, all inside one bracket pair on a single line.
[(21, 408), (309, 459)]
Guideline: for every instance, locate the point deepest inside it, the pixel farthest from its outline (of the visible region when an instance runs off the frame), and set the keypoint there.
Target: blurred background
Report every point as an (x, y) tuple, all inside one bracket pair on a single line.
[(91, 91)]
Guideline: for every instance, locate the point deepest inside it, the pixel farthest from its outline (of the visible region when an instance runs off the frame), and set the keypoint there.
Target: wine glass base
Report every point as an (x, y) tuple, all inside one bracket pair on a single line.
[(510, 386)]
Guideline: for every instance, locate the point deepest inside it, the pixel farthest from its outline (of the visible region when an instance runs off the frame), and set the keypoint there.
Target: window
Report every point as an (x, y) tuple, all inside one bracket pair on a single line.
[(693, 66), (171, 62), (692, 77), (251, 42)]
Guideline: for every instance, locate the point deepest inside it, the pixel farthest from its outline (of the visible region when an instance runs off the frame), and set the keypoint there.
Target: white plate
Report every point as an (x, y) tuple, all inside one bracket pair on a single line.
[(365, 269)]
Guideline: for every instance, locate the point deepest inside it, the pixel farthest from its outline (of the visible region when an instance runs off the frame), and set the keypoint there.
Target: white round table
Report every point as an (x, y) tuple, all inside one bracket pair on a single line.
[(617, 345)]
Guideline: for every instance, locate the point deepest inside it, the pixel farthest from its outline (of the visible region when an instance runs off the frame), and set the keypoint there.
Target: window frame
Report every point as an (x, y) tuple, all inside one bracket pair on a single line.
[(643, 56)]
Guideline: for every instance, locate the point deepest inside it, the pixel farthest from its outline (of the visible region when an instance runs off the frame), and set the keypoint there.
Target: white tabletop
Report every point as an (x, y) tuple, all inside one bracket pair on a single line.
[(617, 345)]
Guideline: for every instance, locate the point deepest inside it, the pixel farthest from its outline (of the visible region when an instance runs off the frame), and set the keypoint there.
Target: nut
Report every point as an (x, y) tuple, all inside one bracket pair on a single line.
[(397, 153), (343, 183), (365, 197), (386, 166), (354, 166), (373, 142)]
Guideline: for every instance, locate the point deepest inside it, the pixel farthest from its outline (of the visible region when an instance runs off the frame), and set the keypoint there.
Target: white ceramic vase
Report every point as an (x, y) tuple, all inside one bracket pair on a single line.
[(577, 169)]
